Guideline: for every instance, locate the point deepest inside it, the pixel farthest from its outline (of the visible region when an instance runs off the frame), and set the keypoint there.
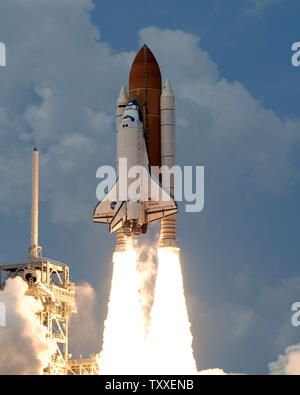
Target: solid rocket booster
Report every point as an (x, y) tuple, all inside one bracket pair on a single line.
[(168, 234), (145, 138)]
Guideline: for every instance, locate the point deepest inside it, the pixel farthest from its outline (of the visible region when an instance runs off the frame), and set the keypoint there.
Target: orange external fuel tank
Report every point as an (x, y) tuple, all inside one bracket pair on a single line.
[(145, 88)]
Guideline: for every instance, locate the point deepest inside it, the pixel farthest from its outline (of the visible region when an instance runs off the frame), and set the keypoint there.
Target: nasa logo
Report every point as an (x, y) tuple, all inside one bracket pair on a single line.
[(113, 205)]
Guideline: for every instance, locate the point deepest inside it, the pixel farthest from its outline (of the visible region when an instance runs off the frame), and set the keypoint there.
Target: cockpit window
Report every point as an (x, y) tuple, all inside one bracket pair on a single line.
[(130, 117)]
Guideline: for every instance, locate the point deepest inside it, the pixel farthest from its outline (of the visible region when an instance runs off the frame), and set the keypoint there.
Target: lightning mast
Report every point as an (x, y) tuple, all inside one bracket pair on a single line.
[(35, 251)]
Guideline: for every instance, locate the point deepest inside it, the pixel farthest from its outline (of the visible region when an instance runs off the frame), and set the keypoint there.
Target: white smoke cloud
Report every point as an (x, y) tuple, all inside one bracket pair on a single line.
[(84, 334), (212, 372), (23, 344), (147, 271), (218, 372), (287, 364)]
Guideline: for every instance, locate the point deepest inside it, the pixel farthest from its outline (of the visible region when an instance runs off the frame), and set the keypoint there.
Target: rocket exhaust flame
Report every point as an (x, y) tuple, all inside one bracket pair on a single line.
[(169, 342), (123, 339), (139, 342)]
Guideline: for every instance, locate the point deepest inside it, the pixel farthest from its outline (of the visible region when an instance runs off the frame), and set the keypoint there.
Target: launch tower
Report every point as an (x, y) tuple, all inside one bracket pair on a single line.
[(49, 282)]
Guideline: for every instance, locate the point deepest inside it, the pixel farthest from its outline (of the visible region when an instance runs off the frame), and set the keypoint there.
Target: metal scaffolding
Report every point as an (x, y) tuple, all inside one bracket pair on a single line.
[(83, 367), (48, 282)]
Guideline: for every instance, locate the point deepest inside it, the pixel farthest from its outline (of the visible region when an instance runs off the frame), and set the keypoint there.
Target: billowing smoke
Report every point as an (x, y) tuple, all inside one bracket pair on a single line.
[(213, 372), (23, 344), (84, 326), (287, 364), (147, 263)]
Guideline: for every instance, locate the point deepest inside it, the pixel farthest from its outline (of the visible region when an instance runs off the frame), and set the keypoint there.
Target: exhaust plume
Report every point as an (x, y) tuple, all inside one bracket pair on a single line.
[(147, 329), (169, 342), (123, 338), (23, 343), (146, 271)]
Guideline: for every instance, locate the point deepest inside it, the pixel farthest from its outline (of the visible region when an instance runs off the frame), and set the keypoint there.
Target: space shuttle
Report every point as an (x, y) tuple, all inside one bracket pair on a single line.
[(145, 141)]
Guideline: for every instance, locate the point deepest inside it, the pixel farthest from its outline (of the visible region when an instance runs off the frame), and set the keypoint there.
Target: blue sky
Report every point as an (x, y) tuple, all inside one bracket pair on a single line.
[(237, 114), (251, 46)]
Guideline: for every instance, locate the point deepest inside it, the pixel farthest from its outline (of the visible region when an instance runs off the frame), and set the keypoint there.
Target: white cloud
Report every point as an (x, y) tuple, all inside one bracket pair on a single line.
[(57, 92), (287, 364), (246, 146), (257, 7)]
